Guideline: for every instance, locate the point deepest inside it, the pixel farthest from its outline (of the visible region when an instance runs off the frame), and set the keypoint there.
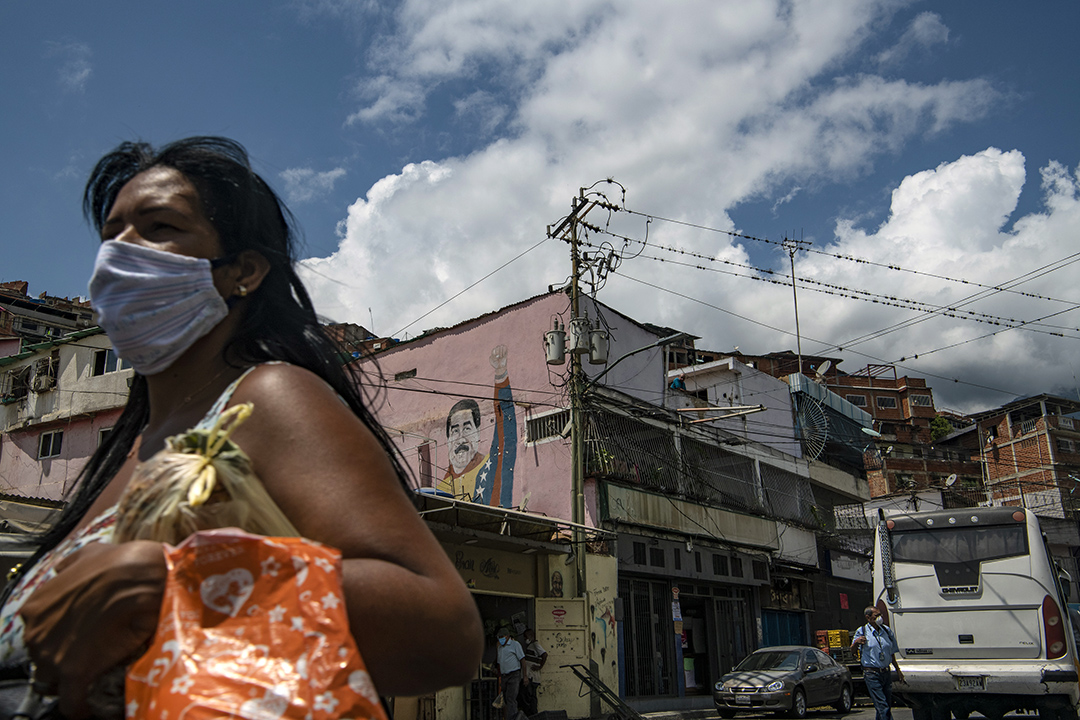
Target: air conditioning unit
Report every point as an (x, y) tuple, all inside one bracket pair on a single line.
[(42, 383), (44, 375)]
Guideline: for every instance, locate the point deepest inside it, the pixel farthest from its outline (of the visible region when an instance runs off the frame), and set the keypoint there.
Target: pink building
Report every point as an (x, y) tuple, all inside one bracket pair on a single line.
[(479, 414), (57, 399)]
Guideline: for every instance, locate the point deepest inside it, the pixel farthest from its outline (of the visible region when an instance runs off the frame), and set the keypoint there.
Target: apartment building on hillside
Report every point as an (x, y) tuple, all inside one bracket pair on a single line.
[(38, 319), (905, 459)]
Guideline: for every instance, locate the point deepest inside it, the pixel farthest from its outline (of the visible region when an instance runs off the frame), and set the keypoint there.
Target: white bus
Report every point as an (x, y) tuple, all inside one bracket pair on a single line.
[(980, 615)]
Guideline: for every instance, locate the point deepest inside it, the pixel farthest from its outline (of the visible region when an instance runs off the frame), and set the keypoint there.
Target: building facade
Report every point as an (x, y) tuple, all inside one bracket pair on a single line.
[(711, 521), (58, 399)]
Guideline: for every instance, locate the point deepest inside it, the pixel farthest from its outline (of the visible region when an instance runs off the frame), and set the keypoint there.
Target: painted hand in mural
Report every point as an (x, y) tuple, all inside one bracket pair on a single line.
[(498, 361)]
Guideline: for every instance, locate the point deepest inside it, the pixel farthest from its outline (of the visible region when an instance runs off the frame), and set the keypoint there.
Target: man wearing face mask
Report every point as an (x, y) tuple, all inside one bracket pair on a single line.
[(879, 650), (512, 670)]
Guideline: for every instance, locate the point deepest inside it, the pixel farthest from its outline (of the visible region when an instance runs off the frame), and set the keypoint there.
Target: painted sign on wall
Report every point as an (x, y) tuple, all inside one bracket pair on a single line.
[(496, 570)]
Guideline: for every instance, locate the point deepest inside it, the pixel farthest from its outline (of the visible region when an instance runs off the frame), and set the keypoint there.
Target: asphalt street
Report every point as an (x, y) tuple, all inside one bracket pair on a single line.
[(863, 710)]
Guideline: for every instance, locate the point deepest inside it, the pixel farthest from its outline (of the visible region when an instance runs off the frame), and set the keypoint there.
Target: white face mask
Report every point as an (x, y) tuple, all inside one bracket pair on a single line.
[(153, 304), (879, 620)]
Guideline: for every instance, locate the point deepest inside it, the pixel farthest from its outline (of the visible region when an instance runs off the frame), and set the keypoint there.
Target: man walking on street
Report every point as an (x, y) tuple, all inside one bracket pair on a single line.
[(535, 657), (511, 667), (879, 650)]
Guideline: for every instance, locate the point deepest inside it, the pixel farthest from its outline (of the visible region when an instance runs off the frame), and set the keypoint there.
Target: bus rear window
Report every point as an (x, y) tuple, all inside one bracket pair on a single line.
[(959, 545)]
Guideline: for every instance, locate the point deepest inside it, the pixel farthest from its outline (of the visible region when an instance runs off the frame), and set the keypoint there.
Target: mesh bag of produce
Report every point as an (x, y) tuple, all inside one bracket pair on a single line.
[(201, 480)]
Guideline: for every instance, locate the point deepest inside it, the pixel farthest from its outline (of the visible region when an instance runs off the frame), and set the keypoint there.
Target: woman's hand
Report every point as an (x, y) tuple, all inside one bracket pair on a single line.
[(99, 611)]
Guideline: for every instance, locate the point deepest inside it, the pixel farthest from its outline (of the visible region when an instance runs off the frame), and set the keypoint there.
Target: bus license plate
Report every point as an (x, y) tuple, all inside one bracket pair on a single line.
[(742, 699), (977, 682)]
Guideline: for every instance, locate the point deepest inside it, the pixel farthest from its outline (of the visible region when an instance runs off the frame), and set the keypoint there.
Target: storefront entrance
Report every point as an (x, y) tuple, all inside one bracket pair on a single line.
[(736, 635), (495, 611), (649, 641)]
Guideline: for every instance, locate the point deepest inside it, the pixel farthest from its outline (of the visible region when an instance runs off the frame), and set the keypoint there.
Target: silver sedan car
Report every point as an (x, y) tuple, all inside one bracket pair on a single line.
[(785, 679)]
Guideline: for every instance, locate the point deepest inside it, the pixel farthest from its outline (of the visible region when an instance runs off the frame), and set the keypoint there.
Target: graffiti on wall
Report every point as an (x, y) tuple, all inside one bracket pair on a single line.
[(603, 619), (555, 589), (472, 475)]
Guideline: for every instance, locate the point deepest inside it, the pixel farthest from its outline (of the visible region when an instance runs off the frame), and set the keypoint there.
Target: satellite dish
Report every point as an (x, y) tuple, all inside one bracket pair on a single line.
[(949, 481), (820, 370), (811, 424)]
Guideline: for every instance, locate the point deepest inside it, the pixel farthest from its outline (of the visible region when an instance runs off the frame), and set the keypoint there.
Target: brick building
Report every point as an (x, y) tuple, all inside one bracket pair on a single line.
[(905, 459), (1031, 451), (35, 320)]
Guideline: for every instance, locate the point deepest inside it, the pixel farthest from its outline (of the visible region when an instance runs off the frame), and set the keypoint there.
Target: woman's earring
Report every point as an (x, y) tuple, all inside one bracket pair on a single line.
[(241, 291)]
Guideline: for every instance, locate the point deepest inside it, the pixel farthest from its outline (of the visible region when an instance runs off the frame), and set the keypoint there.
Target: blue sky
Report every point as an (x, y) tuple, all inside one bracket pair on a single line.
[(425, 144)]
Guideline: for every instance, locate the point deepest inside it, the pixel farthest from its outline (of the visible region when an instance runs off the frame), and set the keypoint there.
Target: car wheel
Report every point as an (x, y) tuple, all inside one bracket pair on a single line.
[(726, 714), (843, 705), (798, 704)]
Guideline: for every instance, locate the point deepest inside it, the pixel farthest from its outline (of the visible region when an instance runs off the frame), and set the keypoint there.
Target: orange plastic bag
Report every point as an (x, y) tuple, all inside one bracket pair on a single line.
[(252, 627)]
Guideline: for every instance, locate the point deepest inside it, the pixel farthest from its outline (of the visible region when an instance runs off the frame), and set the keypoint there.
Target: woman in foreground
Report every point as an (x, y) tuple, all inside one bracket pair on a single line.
[(194, 284)]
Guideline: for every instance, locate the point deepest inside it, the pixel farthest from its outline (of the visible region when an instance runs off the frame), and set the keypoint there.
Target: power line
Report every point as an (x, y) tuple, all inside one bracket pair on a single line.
[(787, 332), (818, 286), (470, 287), (850, 258)]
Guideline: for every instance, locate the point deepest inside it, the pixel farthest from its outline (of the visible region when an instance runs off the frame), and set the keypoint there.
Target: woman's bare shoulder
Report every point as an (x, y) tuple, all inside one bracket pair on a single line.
[(282, 377), (288, 388)]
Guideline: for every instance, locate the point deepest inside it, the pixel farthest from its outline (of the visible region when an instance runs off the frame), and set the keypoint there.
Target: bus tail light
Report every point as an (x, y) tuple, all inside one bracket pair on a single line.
[(1054, 627)]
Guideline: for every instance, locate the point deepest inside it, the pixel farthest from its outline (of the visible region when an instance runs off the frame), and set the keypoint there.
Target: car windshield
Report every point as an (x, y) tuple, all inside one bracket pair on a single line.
[(771, 660)]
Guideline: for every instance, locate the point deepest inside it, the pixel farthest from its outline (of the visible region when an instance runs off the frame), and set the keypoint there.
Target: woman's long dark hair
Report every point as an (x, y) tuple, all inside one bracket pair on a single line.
[(279, 321)]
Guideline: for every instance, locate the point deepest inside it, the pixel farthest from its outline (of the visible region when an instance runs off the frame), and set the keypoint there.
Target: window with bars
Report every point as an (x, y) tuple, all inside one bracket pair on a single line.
[(16, 383), (858, 400), (886, 402), (719, 564), (736, 567), (656, 557), (639, 553), (921, 400), (546, 427), (760, 569)]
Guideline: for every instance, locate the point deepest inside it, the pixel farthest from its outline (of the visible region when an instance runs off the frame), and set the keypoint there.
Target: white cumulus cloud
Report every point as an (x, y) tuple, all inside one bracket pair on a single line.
[(694, 112)]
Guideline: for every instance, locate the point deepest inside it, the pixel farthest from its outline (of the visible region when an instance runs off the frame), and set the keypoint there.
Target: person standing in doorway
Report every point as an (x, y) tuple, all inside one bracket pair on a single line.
[(511, 672), (878, 651), (535, 657)]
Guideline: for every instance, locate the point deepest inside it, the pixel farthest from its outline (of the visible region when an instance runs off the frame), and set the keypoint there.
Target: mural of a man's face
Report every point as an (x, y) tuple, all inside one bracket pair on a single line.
[(463, 439), (556, 584)]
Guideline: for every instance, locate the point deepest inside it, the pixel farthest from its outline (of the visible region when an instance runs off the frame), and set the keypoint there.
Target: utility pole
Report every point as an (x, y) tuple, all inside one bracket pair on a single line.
[(579, 209), (793, 246), (577, 402)]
